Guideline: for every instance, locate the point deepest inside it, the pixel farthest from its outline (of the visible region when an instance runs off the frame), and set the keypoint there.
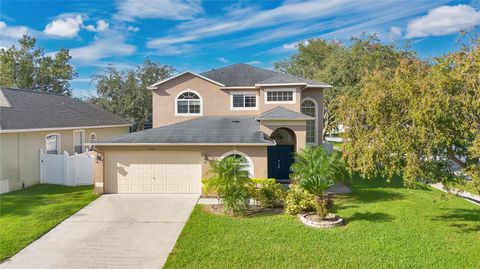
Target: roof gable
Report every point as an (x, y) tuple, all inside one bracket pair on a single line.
[(238, 75), (28, 109), (281, 113)]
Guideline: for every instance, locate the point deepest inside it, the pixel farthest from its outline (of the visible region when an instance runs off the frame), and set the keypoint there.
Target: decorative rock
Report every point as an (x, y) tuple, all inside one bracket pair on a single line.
[(320, 224)]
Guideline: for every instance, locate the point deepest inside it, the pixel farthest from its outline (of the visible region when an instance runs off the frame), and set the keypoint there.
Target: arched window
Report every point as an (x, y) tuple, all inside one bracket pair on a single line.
[(189, 103), (92, 139), (52, 144), (309, 108), (247, 162)]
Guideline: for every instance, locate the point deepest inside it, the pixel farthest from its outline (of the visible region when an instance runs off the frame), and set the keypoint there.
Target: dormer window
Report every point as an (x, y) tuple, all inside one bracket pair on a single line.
[(189, 103), (243, 101)]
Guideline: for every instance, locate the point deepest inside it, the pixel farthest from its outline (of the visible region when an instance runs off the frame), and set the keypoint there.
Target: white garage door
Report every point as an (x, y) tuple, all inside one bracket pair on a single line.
[(154, 172)]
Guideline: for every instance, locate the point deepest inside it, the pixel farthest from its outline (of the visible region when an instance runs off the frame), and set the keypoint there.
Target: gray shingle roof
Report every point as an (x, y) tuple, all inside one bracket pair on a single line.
[(281, 113), (247, 75), (202, 130), (26, 109)]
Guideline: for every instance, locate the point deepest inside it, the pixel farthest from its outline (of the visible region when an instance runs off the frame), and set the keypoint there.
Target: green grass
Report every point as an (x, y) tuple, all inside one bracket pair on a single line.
[(387, 227), (27, 214), (468, 187)]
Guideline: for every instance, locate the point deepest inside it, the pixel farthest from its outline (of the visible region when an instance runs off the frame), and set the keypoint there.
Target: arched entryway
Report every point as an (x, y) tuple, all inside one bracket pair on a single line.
[(280, 157)]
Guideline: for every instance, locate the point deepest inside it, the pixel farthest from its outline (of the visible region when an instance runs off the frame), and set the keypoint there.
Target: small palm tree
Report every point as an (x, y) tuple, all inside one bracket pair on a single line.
[(230, 180), (316, 170)]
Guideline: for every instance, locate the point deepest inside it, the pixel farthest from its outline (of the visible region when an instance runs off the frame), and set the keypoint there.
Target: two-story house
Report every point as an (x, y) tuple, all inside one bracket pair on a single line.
[(258, 115)]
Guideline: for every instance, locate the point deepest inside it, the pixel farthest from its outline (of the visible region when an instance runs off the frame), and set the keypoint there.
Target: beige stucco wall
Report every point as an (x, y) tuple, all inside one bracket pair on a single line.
[(258, 155), (216, 102), (317, 96), (19, 152), (298, 127)]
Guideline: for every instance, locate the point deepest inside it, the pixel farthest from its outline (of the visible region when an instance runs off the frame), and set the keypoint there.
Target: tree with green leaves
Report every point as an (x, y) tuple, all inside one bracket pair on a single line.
[(420, 120), (342, 66), (231, 181), (316, 170), (27, 67), (125, 93)]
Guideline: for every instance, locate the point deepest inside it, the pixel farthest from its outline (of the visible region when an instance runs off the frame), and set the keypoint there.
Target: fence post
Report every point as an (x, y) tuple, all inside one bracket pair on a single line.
[(75, 175), (65, 168), (42, 168)]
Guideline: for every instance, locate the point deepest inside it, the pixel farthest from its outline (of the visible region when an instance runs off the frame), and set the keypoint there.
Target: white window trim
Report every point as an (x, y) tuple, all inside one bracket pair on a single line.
[(251, 168), (90, 137), (88, 147), (315, 142), (83, 140), (59, 142), (243, 108), (294, 99), (188, 114)]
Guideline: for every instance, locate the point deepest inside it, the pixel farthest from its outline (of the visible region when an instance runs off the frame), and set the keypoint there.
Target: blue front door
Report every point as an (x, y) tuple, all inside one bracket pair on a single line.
[(280, 158)]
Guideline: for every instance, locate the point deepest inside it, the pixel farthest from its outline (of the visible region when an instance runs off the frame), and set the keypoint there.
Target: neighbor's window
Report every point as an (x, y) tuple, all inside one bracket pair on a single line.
[(241, 100), (308, 108), (280, 96), (78, 137), (188, 103), (52, 144), (92, 139)]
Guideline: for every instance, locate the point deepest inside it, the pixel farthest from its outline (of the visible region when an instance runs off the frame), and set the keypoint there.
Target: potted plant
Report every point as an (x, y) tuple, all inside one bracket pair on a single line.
[(315, 170)]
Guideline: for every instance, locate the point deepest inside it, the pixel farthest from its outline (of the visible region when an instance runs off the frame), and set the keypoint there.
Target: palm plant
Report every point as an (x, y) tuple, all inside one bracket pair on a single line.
[(230, 180), (316, 170)]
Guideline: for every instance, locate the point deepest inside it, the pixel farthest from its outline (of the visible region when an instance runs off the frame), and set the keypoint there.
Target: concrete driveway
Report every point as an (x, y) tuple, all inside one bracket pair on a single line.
[(115, 231)]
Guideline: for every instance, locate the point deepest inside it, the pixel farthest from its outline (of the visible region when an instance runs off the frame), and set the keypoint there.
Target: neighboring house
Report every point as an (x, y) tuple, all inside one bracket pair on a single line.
[(31, 121), (258, 115)]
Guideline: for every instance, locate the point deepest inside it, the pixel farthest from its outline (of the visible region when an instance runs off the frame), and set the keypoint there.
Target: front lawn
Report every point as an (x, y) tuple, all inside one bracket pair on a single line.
[(27, 214), (387, 227)]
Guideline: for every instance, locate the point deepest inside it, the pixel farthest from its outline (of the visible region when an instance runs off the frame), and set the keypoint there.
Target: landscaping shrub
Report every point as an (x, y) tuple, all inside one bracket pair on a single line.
[(298, 200), (316, 169), (231, 182), (268, 193)]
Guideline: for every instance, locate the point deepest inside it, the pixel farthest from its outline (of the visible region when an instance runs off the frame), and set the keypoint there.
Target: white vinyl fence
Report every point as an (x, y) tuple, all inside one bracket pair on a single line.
[(66, 170)]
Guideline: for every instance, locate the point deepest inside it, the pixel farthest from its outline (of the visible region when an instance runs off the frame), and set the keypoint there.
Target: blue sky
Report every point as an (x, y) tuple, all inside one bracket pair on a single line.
[(200, 35)]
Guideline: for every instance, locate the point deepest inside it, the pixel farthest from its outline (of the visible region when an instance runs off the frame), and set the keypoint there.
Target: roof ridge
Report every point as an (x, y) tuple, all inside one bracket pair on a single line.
[(35, 91)]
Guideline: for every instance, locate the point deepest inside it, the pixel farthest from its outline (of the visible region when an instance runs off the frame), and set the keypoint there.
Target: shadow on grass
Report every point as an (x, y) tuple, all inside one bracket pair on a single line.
[(369, 216), (465, 220), (373, 195)]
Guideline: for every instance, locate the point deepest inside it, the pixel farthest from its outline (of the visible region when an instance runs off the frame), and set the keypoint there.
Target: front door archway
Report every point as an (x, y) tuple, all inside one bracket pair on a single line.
[(280, 157)]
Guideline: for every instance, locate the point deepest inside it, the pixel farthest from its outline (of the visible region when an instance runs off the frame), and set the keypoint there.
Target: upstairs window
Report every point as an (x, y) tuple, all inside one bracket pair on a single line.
[(189, 103), (280, 96), (309, 108), (52, 144), (78, 141), (245, 101)]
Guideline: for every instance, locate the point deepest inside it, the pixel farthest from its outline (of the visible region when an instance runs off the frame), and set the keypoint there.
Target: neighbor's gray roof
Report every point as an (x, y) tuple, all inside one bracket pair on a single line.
[(247, 75), (26, 109), (202, 130), (281, 113)]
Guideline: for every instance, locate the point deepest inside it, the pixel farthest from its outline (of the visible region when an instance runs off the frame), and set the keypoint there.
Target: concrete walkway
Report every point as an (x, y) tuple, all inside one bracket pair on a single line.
[(115, 231)]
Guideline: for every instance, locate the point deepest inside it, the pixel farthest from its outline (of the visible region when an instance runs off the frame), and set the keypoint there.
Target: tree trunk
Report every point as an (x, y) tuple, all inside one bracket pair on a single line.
[(321, 206)]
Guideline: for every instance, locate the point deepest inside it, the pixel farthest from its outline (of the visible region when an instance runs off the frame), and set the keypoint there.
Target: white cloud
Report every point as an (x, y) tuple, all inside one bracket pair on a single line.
[(223, 60), (66, 27), (133, 28), (102, 25), (158, 9), (395, 33), (444, 20), (13, 31), (105, 47), (254, 62)]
